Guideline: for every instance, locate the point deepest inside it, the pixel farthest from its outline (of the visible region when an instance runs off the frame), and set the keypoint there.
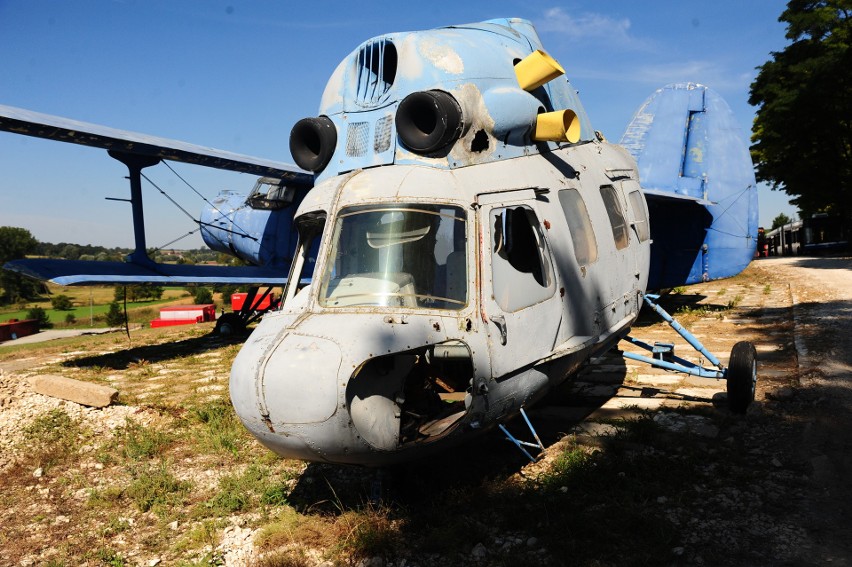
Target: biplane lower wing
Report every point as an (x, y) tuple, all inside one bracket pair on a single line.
[(82, 272)]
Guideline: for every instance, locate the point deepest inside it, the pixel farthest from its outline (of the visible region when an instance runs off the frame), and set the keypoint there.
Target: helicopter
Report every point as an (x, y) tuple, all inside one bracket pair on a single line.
[(470, 242), (459, 241)]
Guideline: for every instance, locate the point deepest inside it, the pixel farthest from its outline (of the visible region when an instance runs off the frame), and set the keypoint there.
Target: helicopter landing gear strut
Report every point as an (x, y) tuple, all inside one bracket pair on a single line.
[(740, 374)]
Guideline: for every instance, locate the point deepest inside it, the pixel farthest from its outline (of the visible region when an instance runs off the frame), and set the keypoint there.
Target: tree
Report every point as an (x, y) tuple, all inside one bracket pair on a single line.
[(780, 220), (802, 136), (203, 296), (115, 316), (15, 243), (41, 316)]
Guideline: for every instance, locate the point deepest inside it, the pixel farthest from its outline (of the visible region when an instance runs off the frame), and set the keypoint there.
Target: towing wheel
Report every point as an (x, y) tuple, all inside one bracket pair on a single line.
[(742, 376), (229, 325)]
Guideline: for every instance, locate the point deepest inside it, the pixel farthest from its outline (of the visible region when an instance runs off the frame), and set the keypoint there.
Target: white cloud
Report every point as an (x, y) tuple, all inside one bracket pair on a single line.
[(584, 26)]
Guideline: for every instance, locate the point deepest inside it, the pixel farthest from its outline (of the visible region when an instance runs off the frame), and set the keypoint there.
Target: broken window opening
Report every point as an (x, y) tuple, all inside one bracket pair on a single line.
[(520, 262)]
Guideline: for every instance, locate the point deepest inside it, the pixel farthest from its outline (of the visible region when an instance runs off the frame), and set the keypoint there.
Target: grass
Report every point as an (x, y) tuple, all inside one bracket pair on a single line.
[(221, 430), (185, 459), (50, 438), (154, 487)]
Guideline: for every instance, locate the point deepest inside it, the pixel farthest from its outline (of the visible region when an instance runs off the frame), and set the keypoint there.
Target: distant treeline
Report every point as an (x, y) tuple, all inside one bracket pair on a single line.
[(69, 251)]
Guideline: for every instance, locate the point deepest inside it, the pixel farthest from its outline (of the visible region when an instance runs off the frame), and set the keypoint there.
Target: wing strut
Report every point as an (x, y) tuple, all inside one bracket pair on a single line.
[(135, 164)]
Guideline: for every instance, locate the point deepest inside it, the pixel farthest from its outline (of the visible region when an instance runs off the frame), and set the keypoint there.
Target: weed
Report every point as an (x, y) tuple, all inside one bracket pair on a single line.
[(369, 533), (105, 497), (109, 557), (202, 535), (735, 301), (223, 432), (114, 526), (154, 488), (722, 291), (290, 527), (139, 442), (767, 289), (50, 437), (288, 558), (679, 290)]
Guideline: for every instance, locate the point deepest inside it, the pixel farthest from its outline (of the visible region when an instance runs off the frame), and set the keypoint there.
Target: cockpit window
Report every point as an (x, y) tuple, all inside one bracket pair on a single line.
[(410, 255)]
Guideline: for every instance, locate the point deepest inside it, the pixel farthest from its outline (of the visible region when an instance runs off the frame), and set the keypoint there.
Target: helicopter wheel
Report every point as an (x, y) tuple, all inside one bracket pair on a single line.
[(742, 376), (229, 325)]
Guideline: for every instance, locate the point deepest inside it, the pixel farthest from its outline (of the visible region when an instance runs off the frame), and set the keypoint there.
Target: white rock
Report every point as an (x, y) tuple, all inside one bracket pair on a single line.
[(479, 551)]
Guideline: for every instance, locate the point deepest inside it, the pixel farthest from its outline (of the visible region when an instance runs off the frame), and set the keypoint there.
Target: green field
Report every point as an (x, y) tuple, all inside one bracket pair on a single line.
[(90, 304)]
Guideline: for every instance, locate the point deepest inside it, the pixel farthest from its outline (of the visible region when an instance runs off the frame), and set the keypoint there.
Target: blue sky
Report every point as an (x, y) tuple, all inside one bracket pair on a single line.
[(236, 75)]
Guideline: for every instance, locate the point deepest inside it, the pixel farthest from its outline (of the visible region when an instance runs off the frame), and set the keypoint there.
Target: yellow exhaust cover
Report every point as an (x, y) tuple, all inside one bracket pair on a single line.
[(536, 69), (557, 126)]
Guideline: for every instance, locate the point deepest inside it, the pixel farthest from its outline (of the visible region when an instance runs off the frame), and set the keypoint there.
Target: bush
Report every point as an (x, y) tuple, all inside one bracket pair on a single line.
[(115, 316), (61, 303), (40, 315), (70, 319), (203, 296)]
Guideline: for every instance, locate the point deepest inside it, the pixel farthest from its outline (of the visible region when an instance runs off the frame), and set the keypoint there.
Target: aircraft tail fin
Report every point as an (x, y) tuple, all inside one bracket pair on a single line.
[(698, 178)]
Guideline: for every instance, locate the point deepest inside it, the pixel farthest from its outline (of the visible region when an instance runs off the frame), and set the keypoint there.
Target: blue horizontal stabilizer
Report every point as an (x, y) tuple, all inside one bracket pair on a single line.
[(81, 272)]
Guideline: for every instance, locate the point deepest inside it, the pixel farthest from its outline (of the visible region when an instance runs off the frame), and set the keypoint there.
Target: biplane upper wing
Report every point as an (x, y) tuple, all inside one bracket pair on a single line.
[(36, 124), (138, 151)]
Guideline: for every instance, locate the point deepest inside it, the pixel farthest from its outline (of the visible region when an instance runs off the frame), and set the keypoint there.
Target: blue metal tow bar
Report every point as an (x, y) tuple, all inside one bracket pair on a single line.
[(520, 444), (664, 353)]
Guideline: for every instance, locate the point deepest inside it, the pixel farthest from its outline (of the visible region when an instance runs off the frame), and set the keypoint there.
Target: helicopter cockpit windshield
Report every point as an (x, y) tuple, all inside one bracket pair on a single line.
[(400, 255)]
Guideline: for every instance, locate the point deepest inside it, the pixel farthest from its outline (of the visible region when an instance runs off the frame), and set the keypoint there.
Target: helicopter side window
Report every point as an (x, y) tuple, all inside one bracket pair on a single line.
[(580, 226), (520, 263), (616, 216), (310, 227), (640, 216)]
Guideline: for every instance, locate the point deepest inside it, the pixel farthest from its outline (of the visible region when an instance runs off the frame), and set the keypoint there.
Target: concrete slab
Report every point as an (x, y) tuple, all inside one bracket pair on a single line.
[(83, 393)]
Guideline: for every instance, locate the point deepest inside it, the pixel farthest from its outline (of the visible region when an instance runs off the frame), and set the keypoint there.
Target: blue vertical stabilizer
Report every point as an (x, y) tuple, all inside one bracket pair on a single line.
[(698, 178)]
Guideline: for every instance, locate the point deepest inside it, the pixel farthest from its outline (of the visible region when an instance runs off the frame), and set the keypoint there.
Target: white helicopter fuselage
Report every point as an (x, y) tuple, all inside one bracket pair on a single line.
[(443, 301)]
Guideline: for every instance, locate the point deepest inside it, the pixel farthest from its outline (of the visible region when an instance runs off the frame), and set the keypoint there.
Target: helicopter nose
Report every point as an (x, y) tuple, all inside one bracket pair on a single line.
[(298, 383), (282, 394)]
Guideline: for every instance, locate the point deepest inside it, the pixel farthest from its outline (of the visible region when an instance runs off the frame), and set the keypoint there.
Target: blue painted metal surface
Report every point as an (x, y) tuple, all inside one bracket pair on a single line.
[(474, 63), (80, 272), (676, 363), (36, 124), (260, 237), (698, 179), (521, 444)]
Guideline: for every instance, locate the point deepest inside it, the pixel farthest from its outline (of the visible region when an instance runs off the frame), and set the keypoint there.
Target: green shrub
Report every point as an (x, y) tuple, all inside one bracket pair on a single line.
[(61, 302)]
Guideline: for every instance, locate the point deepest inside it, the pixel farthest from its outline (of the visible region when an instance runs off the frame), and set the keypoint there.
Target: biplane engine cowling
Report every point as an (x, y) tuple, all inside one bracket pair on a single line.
[(260, 237)]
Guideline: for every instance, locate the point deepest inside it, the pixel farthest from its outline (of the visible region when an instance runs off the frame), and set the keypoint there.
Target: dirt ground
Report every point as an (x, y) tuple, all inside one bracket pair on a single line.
[(787, 502), (821, 290)]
